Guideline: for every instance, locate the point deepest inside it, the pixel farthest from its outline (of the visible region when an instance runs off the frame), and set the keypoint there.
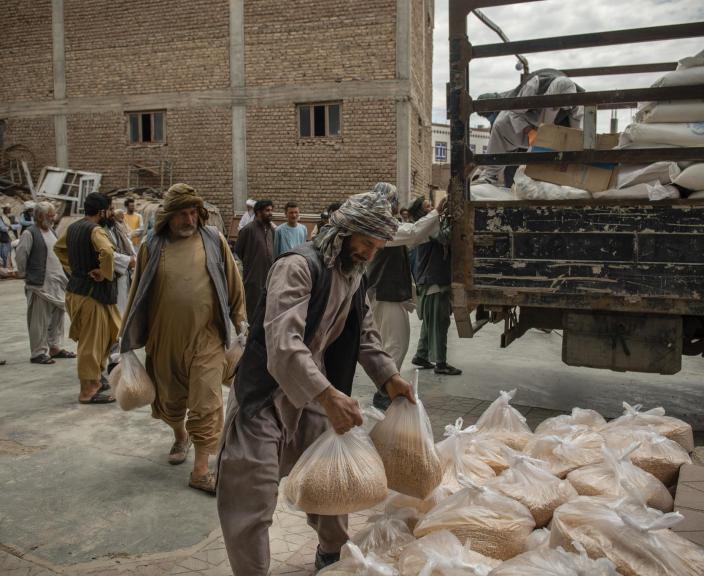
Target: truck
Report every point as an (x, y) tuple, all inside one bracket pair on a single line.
[(622, 279)]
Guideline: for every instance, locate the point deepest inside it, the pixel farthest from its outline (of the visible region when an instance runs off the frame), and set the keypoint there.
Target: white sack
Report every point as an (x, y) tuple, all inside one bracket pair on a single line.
[(525, 188), (691, 178), (632, 174), (652, 192), (683, 77), (689, 134), (691, 61), (489, 193), (671, 111)]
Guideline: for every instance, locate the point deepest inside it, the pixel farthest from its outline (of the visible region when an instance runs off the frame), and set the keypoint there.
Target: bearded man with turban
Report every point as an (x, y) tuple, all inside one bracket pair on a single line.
[(185, 296), (310, 329), (88, 257)]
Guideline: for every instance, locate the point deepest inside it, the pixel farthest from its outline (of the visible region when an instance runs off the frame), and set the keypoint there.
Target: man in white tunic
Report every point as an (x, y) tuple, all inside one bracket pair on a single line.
[(45, 285)]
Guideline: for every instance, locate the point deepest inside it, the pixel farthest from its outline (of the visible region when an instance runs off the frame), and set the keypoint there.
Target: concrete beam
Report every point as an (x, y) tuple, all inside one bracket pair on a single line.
[(403, 105), (58, 54), (239, 110), (260, 96)]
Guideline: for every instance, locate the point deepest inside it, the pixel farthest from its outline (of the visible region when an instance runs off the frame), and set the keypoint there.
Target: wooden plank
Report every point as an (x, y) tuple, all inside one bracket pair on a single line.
[(666, 248), (674, 218)]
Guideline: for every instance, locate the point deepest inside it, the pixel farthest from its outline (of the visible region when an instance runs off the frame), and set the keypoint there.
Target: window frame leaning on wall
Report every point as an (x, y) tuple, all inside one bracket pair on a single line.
[(139, 114), (310, 106)]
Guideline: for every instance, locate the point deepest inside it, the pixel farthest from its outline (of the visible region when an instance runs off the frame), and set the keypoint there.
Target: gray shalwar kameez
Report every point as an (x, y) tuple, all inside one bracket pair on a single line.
[(256, 452)]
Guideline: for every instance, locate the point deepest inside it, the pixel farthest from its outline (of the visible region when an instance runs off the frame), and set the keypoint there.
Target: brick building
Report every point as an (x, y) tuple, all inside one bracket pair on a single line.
[(310, 100)]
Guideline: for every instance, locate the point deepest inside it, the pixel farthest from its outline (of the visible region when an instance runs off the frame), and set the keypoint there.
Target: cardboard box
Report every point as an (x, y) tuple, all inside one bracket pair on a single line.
[(689, 501), (592, 177)]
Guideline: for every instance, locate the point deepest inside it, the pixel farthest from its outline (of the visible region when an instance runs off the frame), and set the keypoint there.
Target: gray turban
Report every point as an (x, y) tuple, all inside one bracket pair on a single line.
[(370, 213)]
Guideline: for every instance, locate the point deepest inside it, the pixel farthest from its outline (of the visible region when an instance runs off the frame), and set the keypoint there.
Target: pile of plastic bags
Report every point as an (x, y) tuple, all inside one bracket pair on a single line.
[(577, 496)]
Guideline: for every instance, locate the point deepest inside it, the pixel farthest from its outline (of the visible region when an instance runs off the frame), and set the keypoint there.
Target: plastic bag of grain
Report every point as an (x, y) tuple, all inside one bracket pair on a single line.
[(442, 554), (636, 539), (530, 482), (579, 416), (385, 535), (505, 423), (576, 447), (495, 525), (353, 562), (404, 439), (555, 562), (609, 477), (456, 460), (337, 474), (672, 428), (479, 445), (656, 454), (539, 538), (132, 386)]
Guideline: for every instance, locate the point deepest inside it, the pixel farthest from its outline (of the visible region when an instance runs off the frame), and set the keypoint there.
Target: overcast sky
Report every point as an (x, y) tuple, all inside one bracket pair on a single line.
[(560, 17)]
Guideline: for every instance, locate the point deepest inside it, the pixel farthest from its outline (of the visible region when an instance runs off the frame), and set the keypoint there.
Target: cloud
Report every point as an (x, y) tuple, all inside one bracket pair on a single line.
[(556, 18)]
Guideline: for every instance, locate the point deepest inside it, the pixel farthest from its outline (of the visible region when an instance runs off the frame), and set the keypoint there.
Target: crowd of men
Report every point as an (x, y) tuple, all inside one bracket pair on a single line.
[(177, 292)]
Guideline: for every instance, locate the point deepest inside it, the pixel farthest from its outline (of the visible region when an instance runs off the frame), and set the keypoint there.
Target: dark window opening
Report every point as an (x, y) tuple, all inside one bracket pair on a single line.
[(147, 127), (319, 120)]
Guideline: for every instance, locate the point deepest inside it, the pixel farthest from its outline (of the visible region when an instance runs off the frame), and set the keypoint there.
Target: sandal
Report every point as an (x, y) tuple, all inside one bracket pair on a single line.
[(204, 483), (98, 398), (179, 452), (42, 359), (64, 354)]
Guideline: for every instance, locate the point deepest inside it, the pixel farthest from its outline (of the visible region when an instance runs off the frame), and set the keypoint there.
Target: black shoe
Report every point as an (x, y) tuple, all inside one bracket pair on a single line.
[(324, 560), (422, 363), (447, 370), (381, 401)]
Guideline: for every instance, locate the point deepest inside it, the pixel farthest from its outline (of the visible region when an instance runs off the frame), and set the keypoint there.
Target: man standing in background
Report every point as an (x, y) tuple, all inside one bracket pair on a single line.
[(255, 248), (291, 234), (88, 255), (248, 216), (134, 222), (45, 285), (9, 231)]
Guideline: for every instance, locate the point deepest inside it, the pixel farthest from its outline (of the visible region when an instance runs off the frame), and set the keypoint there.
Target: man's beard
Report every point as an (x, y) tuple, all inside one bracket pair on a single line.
[(348, 263), (186, 231)]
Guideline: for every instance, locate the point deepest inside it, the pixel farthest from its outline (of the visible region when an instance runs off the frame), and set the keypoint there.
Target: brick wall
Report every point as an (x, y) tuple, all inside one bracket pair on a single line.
[(316, 172), (134, 47), (319, 40), (26, 70), (198, 141), (38, 135)]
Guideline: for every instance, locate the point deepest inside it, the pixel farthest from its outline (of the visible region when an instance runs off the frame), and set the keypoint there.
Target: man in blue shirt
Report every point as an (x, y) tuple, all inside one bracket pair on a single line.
[(291, 234)]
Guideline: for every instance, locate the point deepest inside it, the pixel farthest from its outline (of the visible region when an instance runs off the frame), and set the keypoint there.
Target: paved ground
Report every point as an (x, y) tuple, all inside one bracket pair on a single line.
[(86, 489)]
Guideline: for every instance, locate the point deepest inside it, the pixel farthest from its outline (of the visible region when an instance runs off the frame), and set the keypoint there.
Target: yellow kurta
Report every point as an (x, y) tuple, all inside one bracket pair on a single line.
[(94, 326), (185, 353)]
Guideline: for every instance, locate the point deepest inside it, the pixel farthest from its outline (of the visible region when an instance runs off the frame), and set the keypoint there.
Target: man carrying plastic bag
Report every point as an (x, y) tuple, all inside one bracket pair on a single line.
[(311, 327)]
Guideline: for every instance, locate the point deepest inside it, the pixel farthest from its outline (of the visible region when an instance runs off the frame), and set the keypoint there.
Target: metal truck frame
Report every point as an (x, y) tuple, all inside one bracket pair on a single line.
[(623, 279)]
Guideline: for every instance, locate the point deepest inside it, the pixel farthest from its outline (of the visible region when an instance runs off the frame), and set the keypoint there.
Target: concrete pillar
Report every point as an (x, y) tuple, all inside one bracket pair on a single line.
[(403, 105), (239, 109), (59, 65)]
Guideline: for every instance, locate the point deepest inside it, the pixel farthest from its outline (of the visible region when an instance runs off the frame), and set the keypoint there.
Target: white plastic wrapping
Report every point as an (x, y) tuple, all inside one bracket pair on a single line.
[(578, 416), (636, 540), (531, 483), (555, 562), (456, 459), (404, 439), (609, 478), (132, 386), (571, 449), (505, 423), (337, 474), (354, 562), (539, 538), (655, 453), (493, 524), (655, 418), (525, 188), (441, 554)]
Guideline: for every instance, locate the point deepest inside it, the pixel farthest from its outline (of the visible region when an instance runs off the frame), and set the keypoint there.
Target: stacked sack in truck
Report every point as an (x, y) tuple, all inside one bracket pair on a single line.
[(677, 123)]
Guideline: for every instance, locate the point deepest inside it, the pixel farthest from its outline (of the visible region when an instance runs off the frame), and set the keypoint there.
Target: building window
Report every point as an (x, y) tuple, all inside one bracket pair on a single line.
[(441, 151), (320, 120), (147, 127), (483, 149), (473, 147)]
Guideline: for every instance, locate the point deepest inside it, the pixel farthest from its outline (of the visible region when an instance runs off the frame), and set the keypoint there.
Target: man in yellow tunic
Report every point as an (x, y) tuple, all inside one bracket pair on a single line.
[(88, 256), (185, 296)]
